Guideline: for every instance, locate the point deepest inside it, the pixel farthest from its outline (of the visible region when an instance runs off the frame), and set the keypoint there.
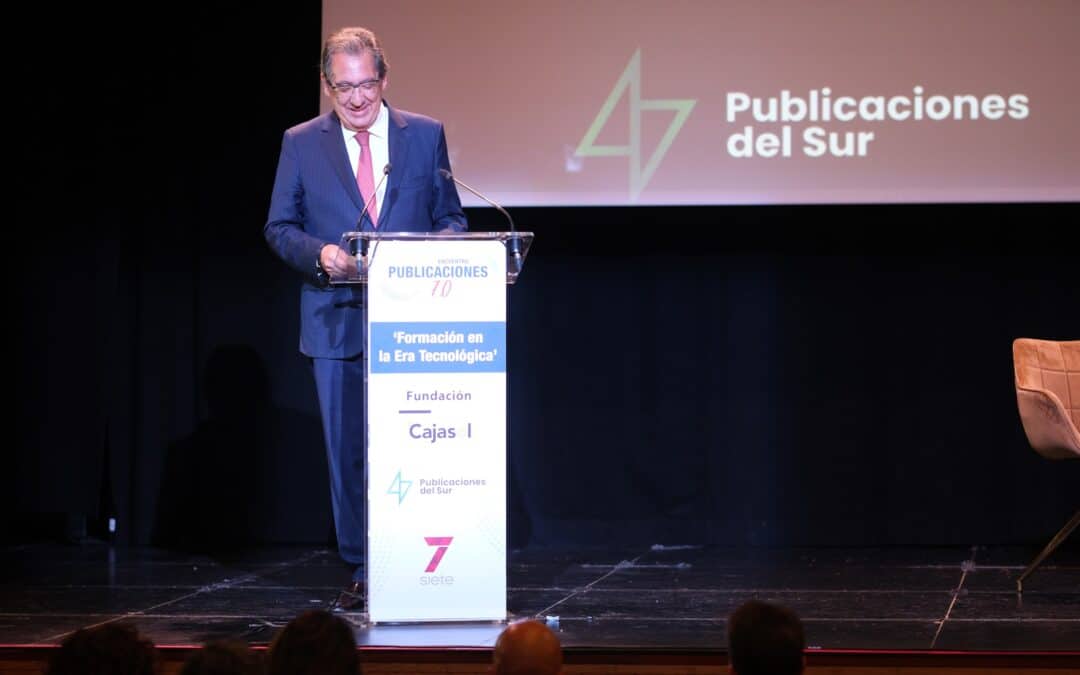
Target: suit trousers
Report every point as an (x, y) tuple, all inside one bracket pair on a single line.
[(340, 387)]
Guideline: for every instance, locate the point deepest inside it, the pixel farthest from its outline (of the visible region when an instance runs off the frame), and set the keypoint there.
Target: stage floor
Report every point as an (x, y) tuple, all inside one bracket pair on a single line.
[(659, 598)]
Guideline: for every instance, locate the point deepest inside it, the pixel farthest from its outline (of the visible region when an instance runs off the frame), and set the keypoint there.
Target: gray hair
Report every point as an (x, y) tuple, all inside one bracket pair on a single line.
[(354, 41)]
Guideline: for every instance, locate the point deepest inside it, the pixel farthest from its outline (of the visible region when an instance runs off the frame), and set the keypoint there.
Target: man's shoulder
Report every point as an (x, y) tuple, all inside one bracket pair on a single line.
[(315, 125), (411, 119)]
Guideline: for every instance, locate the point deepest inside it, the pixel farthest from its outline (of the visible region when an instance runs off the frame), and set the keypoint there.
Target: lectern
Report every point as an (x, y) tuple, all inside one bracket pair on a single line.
[(436, 420)]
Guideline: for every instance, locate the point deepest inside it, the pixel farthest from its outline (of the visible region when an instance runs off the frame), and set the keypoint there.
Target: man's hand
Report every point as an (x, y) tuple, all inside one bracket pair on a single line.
[(337, 263)]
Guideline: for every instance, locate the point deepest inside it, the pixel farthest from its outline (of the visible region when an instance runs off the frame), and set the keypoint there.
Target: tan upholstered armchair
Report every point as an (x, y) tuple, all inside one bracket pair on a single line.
[(1048, 396)]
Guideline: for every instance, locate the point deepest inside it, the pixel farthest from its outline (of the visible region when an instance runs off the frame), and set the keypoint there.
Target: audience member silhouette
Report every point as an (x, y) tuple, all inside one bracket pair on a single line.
[(765, 639), (527, 648), (223, 657), (109, 649), (314, 643)]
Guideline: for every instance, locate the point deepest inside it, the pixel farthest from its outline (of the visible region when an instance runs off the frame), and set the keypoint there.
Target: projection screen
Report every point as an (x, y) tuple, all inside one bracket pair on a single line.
[(622, 102)]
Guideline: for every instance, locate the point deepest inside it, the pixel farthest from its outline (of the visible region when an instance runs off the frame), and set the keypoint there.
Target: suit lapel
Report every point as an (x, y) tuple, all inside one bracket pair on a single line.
[(334, 147), (398, 130)]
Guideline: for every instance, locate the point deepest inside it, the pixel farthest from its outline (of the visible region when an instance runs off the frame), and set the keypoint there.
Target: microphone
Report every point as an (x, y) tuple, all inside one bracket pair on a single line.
[(515, 243), (367, 207)]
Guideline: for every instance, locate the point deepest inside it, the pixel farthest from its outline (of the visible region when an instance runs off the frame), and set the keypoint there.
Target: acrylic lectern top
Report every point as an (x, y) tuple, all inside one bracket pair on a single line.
[(361, 247)]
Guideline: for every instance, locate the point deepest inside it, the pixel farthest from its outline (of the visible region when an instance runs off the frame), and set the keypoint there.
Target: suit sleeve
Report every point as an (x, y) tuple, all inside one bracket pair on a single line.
[(446, 211), (284, 229)]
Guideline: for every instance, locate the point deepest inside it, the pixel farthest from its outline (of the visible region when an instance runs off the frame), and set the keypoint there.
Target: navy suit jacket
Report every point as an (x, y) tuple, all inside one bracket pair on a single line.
[(315, 200)]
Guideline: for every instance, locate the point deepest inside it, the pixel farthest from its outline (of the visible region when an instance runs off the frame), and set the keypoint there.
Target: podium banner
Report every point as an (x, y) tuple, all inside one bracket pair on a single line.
[(436, 425)]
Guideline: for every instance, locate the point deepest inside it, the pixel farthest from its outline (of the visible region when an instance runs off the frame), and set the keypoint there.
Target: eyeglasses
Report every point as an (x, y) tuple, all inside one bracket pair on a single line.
[(344, 90)]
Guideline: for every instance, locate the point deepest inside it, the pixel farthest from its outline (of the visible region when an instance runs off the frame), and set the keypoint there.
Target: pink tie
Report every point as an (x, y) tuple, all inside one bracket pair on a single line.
[(365, 179)]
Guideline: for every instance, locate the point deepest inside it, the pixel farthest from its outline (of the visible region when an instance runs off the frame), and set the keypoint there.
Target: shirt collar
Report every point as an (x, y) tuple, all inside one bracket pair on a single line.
[(379, 128)]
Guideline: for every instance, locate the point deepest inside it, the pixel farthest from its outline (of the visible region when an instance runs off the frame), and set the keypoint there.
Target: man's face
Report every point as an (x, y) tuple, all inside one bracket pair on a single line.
[(358, 105)]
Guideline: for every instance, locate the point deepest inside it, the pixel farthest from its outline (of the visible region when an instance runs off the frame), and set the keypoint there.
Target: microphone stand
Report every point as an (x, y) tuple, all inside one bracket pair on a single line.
[(514, 243)]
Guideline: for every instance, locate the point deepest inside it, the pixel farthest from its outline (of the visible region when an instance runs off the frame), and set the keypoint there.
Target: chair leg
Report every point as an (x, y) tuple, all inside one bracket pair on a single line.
[(1054, 543)]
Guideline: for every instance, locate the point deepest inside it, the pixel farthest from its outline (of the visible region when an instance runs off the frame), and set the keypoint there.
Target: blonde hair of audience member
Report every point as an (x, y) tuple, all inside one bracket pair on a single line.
[(527, 648)]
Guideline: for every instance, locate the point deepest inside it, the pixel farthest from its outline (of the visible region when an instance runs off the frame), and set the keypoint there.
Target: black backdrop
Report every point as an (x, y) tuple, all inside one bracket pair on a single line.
[(752, 376)]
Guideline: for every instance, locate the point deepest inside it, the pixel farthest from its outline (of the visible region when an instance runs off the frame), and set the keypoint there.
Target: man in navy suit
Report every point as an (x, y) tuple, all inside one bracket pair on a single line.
[(326, 166)]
